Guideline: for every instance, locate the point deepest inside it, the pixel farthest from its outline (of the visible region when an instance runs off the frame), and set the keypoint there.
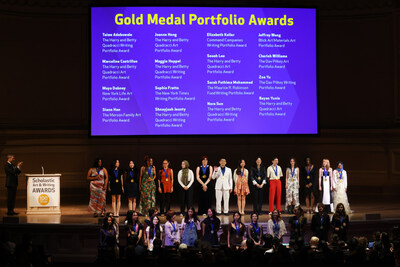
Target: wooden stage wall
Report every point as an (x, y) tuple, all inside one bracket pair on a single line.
[(372, 158)]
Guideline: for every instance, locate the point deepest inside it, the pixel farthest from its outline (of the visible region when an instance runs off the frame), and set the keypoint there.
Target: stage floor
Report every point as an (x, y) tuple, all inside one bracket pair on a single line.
[(78, 214)]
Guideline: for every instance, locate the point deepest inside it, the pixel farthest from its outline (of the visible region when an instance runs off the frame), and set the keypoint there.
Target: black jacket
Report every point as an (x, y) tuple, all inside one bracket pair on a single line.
[(254, 175), (11, 175)]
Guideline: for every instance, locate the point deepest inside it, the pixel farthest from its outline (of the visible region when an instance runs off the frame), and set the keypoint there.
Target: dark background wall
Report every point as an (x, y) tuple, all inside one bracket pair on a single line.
[(44, 98)]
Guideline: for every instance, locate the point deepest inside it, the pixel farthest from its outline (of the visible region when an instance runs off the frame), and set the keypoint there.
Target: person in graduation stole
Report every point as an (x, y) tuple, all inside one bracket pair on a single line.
[(274, 174), (223, 185)]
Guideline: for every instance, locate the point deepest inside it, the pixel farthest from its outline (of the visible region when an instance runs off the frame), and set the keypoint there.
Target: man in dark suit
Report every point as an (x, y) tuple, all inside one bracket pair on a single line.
[(12, 172)]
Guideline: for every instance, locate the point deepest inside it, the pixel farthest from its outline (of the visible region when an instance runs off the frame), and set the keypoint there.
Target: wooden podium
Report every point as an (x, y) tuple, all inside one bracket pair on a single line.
[(43, 193)]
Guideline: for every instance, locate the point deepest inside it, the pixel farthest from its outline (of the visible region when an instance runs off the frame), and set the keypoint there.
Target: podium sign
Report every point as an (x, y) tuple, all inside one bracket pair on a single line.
[(43, 193)]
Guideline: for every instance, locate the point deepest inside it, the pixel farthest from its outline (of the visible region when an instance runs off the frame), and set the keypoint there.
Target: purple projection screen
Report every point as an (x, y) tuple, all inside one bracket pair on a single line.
[(203, 70)]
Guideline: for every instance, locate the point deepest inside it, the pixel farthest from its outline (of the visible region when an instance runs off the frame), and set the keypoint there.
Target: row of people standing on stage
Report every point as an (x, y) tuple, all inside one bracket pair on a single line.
[(192, 229), (142, 183)]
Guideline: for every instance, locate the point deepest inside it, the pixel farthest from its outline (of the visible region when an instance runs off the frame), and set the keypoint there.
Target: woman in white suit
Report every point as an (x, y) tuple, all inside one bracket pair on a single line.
[(223, 185)]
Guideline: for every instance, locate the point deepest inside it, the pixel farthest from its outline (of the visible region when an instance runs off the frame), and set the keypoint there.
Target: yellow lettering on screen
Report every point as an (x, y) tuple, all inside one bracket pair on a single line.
[(283, 21), (118, 19), (170, 20)]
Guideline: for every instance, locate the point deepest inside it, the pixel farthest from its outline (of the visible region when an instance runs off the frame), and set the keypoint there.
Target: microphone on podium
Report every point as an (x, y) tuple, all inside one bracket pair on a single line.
[(41, 165)]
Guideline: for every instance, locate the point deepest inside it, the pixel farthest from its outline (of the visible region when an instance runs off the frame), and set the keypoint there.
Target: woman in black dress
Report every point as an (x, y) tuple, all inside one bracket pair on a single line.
[(340, 222), (116, 186), (134, 229), (203, 176), (255, 230), (210, 227), (320, 223), (308, 175), (236, 231), (107, 240), (131, 185), (297, 224)]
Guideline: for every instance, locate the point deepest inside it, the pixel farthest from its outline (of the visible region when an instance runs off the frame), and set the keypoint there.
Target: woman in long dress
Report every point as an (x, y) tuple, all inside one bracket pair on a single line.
[(98, 177), (326, 185), (340, 187), (147, 186)]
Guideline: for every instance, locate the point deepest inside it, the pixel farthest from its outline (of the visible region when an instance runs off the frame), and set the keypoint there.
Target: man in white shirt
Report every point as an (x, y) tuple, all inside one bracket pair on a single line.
[(223, 185), (274, 174)]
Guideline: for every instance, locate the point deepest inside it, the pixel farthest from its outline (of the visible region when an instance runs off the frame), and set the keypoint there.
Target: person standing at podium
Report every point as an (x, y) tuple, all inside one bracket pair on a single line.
[(98, 177), (12, 171)]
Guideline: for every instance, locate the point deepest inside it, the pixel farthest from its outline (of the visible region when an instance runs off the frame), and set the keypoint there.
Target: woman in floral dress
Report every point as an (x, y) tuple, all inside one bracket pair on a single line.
[(147, 186), (98, 177)]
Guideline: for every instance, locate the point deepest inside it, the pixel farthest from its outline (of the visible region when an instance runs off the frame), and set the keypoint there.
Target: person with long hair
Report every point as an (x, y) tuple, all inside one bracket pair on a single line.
[(255, 230), (326, 185), (240, 178), (165, 186), (134, 229), (203, 177), (116, 228), (107, 240), (98, 177), (297, 224), (131, 185), (153, 232), (340, 187), (210, 227), (320, 223), (292, 186), (189, 226), (147, 186), (276, 226), (153, 211), (258, 176), (236, 231), (116, 186), (308, 175), (171, 228), (223, 185), (186, 179), (340, 222), (274, 174)]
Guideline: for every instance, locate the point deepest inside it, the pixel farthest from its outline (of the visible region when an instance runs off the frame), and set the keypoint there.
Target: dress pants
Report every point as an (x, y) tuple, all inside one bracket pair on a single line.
[(219, 195), (165, 202), (258, 199), (186, 199), (275, 188), (11, 195)]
